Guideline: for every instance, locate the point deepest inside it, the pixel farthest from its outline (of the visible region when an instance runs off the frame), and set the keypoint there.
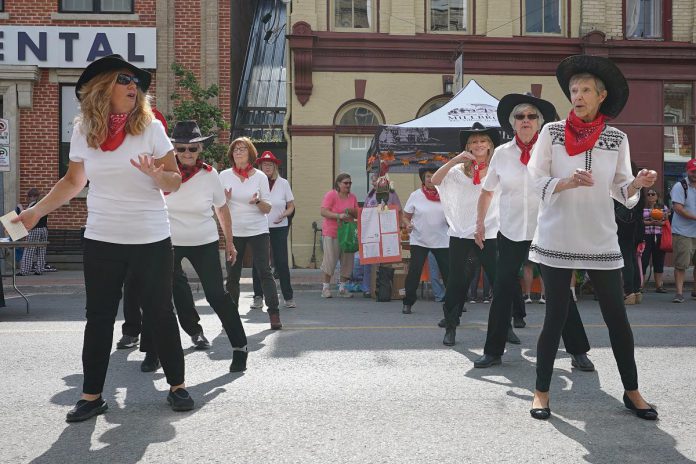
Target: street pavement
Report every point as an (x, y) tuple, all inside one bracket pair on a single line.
[(345, 381)]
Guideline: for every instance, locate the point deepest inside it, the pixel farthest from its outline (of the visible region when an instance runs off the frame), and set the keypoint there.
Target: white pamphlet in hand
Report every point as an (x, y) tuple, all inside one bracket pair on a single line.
[(16, 230)]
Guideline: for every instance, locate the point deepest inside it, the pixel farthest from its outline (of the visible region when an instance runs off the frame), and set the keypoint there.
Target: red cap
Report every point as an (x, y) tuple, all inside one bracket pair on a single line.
[(691, 165), (267, 156)]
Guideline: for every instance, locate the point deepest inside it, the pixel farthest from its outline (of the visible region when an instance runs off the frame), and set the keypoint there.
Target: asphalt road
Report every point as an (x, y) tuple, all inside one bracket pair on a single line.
[(347, 380)]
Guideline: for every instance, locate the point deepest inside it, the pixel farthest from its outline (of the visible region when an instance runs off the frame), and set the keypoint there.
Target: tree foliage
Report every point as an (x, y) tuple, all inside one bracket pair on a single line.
[(194, 103)]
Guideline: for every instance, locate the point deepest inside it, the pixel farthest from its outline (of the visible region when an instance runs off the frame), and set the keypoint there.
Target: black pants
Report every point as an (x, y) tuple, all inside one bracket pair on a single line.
[(205, 260), (652, 249), (607, 287), (279, 251), (511, 256), (418, 256), (259, 248), (631, 277), (132, 317), (105, 267), (460, 277)]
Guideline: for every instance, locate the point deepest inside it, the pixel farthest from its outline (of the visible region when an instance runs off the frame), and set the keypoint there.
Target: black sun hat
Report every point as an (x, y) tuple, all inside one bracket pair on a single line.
[(189, 132), (476, 129), (112, 63), (604, 69), (511, 100)]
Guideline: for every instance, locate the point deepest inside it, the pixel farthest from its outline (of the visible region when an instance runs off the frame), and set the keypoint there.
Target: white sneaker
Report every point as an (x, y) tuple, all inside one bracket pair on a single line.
[(326, 292), (343, 292), (542, 299), (290, 304), (258, 303), (528, 299)]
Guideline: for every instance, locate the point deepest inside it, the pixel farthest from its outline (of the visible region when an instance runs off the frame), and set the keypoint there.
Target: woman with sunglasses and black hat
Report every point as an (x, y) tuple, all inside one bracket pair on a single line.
[(124, 152), (579, 164), (521, 116), (195, 237), (459, 183), (282, 209), (249, 203), (425, 220)]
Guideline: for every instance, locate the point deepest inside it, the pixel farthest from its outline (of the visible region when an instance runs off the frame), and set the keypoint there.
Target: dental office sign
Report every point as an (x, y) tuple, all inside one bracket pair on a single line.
[(76, 47)]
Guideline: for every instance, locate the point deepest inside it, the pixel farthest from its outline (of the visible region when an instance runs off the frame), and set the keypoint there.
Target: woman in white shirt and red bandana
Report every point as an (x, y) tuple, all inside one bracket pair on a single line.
[(124, 152), (579, 164), (459, 183), (195, 237), (521, 116)]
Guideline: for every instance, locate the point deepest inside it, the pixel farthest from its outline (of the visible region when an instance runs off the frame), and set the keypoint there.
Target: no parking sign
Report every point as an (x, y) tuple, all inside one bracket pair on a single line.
[(4, 158), (4, 132)]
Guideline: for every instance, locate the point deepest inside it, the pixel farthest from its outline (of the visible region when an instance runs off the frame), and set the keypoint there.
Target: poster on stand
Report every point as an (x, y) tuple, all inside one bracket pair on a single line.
[(379, 235)]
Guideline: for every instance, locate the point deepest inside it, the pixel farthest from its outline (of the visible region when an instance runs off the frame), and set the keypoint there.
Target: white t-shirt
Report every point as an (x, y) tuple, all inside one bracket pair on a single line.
[(124, 205), (280, 196), (576, 227), (191, 209), (519, 200), (247, 219), (459, 198), (429, 222)]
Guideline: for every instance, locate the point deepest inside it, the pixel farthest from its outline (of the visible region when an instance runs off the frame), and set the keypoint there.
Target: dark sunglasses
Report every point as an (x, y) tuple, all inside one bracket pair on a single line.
[(652, 194), (184, 149), (531, 117), (125, 79)]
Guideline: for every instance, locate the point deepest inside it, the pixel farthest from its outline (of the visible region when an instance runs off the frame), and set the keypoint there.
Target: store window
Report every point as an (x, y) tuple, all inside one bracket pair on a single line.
[(449, 15), (644, 19), (543, 16), (69, 109), (353, 14), (2, 5), (678, 138), (356, 126), (96, 6)]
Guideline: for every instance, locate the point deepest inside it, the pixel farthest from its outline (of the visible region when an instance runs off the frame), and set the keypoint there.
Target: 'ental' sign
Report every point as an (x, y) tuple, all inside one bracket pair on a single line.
[(76, 47)]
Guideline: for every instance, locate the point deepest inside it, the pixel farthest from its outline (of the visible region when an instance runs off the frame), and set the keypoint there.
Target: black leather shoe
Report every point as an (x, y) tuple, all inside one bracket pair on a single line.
[(518, 323), (512, 337), (647, 414), (151, 362), (406, 309), (540, 413), (84, 409), (487, 360), (200, 342), (239, 359), (582, 362), (450, 335), (180, 400)]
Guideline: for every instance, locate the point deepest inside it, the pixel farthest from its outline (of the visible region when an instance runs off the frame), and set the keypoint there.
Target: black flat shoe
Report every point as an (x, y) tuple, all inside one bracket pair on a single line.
[(450, 335), (582, 362), (487, 360), (84, 409), (151, 362), (540, 413), (519, 323), (239, 360), (512, 337), (406, 309), (180, 400), (647, 414)]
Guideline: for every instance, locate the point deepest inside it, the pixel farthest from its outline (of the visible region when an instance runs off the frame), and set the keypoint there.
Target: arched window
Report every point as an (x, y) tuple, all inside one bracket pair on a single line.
[(432, 105)]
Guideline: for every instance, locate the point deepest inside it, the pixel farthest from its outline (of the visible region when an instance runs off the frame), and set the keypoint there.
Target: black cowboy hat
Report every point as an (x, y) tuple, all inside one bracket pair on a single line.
[(189, 132), (479, 128), (111, 63), (511, 100), (604, 69)]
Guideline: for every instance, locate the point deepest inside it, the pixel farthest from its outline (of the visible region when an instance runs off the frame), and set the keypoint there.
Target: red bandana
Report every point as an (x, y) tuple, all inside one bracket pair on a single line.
[(430, 194), (581, 136), (478, 167), (187, 172), (526, 148), (117, 133), (243, 172)]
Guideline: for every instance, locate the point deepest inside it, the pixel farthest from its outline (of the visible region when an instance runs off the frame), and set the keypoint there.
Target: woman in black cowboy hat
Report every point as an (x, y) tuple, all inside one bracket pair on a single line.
[(521, 116), (119, 146), (195, 237), (459, 183), (578, 165)]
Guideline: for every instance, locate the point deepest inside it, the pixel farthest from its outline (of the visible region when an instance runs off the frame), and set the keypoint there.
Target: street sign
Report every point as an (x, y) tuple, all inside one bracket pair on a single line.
[(4, 158), (4, 132)]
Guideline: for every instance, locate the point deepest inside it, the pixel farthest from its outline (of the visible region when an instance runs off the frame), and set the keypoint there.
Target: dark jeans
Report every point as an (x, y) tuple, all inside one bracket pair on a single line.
[(259, 248), (418, 256), (607, 287), (205, 260), (631, 276), (652, 249), (511, 256), (459, 277), (279, 251), (105, 268)]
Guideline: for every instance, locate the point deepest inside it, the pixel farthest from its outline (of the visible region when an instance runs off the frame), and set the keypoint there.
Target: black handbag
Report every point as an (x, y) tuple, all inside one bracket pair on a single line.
[(385, 281)]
